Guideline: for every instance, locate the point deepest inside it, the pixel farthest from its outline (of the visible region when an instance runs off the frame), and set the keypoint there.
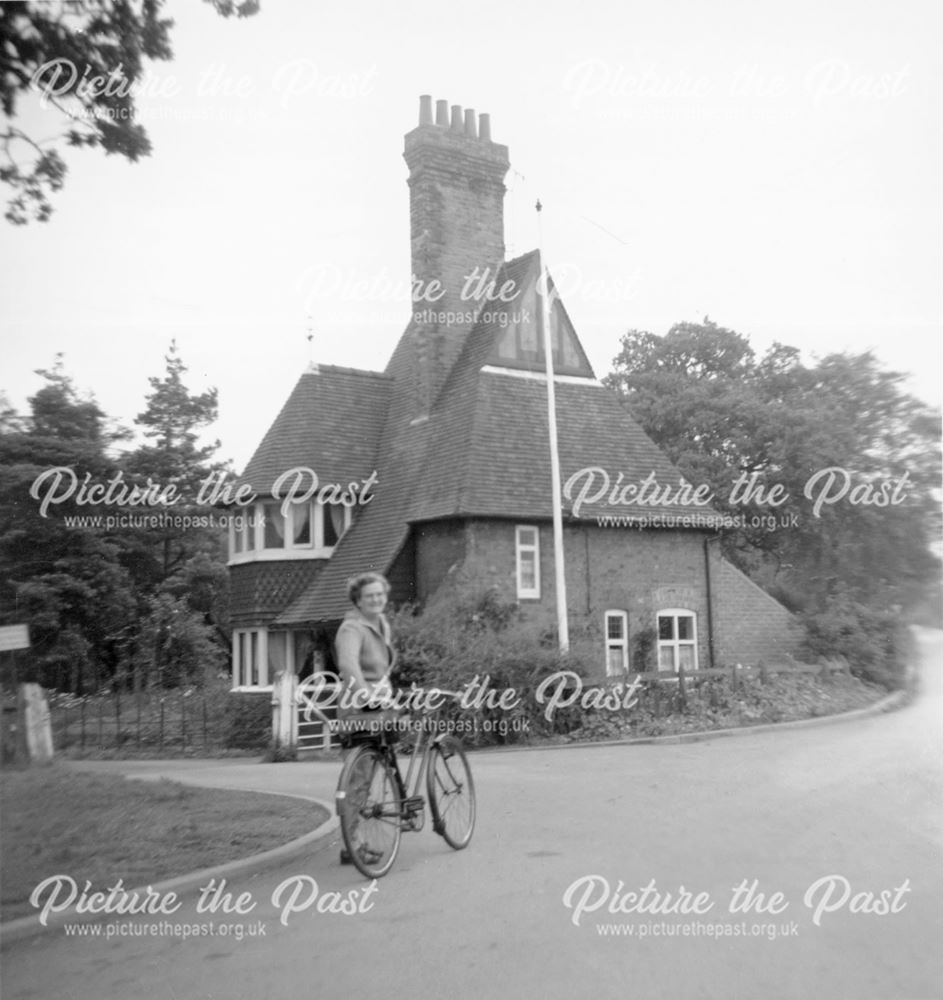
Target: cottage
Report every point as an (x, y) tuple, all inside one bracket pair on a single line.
[(441, 467)]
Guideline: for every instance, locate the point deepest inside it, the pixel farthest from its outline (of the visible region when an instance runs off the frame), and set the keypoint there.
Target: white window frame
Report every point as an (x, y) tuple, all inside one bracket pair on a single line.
[(253, 535), (675, 644), (241, 670), (521, 549), (621, 644)]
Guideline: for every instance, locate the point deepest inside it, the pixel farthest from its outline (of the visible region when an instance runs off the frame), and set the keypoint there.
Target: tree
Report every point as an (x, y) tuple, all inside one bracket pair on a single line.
[(174, 646), (172, 421), (64, 579), (720, 412), (84, 60)]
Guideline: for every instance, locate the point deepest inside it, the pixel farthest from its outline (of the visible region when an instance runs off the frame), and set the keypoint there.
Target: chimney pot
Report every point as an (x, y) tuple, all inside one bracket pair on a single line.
[(484, 127), (442, 113), (471, 124), (456, 118), (425, 109)]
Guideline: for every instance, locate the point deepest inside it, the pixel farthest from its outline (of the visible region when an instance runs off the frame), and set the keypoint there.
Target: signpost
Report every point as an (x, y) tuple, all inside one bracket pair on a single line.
[(14, 637), (30, 735)]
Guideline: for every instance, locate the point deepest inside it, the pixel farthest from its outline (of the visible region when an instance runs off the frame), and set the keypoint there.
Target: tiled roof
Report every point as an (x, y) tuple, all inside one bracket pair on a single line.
[(489, 446), (331, 423), (380, 528), (482, 451)]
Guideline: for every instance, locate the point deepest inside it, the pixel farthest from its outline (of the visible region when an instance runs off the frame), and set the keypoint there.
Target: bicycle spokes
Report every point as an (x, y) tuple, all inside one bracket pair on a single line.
[(451, 793)]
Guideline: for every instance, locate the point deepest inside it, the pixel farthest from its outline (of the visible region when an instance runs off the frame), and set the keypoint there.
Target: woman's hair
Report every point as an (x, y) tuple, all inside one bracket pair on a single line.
[(356, 584)]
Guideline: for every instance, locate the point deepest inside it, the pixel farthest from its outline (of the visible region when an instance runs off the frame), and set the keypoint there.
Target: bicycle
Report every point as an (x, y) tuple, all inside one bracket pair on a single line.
[(376, 804)]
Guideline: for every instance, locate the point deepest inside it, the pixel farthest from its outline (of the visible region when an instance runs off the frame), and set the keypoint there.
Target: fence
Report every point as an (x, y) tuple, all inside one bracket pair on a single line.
[(202, 720), (163, 721)]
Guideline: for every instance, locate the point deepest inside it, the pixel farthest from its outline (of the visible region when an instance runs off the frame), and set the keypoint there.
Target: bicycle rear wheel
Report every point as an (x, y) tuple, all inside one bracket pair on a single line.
[(451, 792), (369, 807)]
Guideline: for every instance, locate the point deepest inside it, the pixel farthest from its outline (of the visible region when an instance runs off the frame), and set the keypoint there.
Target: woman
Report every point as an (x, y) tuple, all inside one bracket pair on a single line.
[(364, 656), (362, 648)]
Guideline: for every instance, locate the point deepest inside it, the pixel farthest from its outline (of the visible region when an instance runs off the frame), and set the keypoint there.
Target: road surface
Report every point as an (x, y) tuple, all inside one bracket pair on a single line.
[(798, 863)]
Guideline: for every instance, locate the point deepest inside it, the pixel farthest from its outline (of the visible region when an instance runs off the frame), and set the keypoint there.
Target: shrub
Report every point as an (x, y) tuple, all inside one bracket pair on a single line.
[(248, 720), (875, 642), (467, 634)]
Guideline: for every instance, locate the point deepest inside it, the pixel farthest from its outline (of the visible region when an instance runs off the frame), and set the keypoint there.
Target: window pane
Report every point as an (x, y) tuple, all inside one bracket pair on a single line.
[(251, 519), (615, 661), (338, 516), (330, 532), (507, 345), (614, 628), (528, 575), (274, 526), (685, 627), (666, 660), (665, 627), (252, 675), (301, 524), (238, 527), (686, 657), (527, 536), (528, 340)]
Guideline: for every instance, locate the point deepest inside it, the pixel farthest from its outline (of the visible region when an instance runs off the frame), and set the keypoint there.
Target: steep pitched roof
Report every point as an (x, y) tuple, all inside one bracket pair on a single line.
[(380, 528), (483, 450), (331, 423), (489, 453)]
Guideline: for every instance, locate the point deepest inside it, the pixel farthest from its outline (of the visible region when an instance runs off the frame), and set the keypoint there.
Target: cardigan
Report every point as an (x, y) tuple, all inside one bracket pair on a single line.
[(358, 643)]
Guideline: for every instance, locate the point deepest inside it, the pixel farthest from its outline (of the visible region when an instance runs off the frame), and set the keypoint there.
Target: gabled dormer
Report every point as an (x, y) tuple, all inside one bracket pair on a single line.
[(320, 454)]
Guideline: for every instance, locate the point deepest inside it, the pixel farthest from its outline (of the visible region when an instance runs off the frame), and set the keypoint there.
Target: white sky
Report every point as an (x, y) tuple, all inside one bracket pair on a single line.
[(776, 167)]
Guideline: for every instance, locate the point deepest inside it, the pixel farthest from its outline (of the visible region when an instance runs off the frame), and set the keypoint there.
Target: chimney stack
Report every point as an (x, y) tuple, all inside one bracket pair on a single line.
[(456, 209)]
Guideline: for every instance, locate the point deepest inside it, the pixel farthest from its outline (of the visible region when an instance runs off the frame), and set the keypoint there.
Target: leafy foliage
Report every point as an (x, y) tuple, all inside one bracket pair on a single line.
[(720, 412), (68, 584), (84, 60), (108, 604)]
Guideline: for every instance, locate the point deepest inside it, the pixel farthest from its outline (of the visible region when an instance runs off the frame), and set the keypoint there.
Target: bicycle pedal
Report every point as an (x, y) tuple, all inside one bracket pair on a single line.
[(413, 803)]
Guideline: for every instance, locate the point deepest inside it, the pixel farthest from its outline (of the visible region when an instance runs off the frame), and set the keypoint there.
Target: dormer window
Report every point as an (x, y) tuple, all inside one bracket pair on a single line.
[(521, 344), (306, 531)]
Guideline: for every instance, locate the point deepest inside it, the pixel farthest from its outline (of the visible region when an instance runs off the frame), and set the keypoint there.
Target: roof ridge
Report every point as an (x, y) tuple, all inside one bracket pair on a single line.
[(320, 369)]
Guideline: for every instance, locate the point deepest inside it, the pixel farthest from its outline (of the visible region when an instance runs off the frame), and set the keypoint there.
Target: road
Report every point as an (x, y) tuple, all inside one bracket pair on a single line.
[(838, 821)]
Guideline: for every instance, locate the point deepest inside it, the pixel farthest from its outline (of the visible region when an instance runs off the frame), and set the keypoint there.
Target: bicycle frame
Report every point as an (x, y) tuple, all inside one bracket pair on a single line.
[(411, 798)]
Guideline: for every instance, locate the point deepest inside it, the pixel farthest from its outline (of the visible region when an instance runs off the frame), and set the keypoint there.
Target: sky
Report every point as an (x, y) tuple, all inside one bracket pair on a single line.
[(774, 167)]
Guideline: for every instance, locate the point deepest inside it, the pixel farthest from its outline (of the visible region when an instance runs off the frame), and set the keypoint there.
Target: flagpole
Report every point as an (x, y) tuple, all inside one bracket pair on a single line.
[(563, 630)]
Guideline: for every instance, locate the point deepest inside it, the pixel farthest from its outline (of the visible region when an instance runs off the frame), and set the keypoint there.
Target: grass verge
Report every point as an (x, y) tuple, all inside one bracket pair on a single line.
[(59, 820)]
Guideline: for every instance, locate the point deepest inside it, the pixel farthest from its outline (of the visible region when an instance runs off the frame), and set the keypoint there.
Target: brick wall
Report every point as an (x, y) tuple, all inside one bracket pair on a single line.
[(639, 572), (440, 551), (749, 625), (456, 213)]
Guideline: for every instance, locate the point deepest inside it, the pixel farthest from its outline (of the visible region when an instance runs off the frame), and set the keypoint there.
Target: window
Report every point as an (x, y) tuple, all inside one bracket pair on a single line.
[(306, 531), (527, 547), (617, 642), (249, 659), (521, 343), (677, 640), (260, 655)]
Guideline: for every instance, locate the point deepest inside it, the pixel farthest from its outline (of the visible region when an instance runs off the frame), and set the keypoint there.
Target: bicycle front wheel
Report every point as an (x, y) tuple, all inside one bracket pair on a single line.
[(370, 808), (451, 792)]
